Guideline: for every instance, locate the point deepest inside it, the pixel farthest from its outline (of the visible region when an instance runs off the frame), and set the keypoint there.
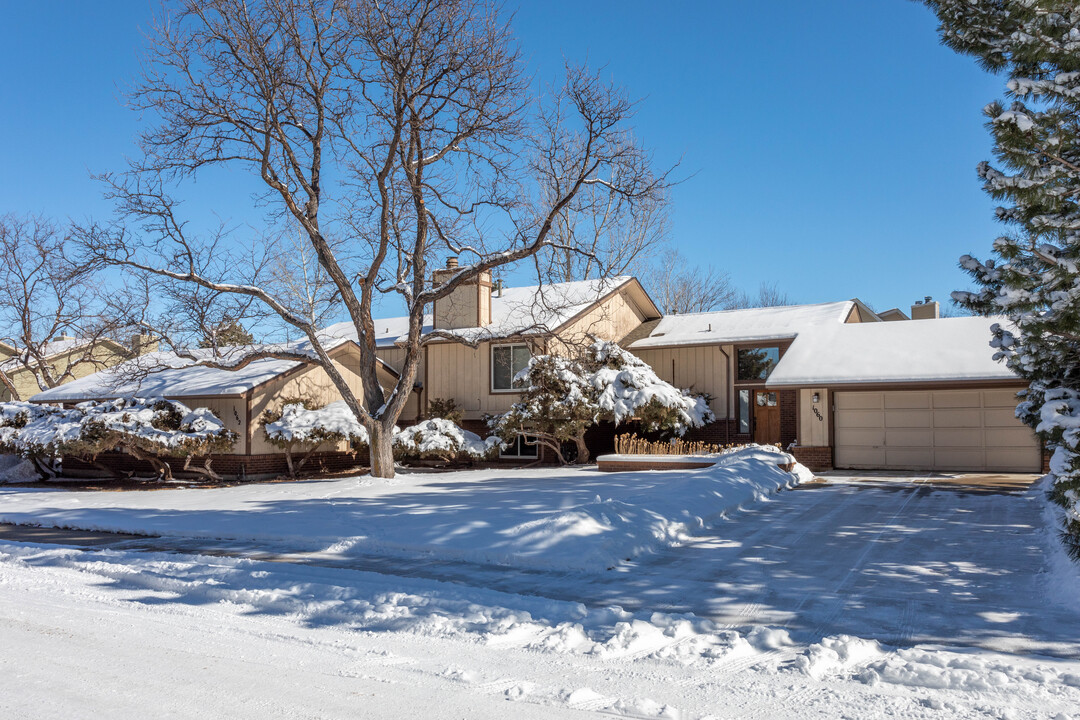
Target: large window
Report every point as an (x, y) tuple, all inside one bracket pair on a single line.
[(506, 362), (521, 447), (757, 363)]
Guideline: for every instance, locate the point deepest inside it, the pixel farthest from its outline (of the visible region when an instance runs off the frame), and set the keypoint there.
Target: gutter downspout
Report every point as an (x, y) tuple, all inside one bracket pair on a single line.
[(728, 392)]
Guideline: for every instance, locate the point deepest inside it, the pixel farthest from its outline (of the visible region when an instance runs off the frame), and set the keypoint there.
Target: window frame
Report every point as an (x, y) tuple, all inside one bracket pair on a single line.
[(760, 380), (519, 443), (491, 362)]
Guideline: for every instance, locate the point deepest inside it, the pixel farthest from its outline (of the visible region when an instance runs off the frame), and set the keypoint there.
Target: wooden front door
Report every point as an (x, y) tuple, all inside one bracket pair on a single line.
[(766, 417)]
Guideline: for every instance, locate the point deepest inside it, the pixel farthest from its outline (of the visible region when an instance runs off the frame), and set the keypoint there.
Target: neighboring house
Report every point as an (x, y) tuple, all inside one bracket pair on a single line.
[(238, 397), (62, 354), (834, 381)]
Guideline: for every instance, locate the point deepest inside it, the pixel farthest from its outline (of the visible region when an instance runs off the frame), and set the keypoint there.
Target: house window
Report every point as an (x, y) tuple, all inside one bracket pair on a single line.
[(521, 447), (757, 363), (506, 362), (744, 412)]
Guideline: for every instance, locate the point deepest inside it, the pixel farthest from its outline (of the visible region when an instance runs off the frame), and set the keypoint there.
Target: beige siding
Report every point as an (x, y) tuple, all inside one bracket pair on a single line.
[(700, 369), (463, 374), (612, 319), (231, 410), (813, 427)]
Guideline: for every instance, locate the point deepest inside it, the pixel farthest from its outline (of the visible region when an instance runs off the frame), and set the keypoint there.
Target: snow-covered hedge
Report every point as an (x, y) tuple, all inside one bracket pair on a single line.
[(442, 439), (300, 426), (146, 428), (299, 423)]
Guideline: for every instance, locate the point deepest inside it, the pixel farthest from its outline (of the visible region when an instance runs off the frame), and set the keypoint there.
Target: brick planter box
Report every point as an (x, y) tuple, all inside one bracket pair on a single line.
[(817, 459), (636, 463)]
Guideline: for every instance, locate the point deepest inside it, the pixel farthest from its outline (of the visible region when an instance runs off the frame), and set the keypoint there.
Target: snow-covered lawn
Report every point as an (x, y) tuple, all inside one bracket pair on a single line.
[(542, 518)]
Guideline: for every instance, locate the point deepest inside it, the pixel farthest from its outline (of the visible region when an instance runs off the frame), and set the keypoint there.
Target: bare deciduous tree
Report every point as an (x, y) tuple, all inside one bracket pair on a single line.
[(768, 295), (390, 133), (604, 235), (678, 287), (43, 295)]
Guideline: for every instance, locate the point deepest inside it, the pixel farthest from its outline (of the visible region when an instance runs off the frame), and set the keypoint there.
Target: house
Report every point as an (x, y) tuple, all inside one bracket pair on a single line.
[(483, 335), (81, 357), (238, 397), (841, 385), (846, 389)]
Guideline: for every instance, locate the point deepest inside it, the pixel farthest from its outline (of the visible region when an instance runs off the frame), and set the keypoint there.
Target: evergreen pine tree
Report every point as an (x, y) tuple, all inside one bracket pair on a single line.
[(226, 333), (1033, 275)]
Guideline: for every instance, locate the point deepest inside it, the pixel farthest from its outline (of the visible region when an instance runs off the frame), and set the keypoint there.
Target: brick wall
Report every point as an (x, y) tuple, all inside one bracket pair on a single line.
[(721, 432), (229, 466), (818, 459), (789, 417)]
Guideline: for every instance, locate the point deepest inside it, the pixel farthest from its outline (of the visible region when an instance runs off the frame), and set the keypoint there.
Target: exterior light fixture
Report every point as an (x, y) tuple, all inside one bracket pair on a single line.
[(815, 398)]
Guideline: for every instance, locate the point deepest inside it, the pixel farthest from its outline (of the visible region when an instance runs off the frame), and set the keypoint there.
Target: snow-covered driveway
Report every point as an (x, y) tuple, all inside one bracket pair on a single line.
[(897, 561)]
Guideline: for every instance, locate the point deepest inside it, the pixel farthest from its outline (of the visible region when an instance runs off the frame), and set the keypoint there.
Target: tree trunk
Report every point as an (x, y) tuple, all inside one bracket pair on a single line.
[(582, 451), (382, 452)]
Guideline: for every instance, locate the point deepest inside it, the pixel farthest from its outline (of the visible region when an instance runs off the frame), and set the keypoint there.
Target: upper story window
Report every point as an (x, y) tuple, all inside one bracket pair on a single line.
[(757, 363), (506, 362)]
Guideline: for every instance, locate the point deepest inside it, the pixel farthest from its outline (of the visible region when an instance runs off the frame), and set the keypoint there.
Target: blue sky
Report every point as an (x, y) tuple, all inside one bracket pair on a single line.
[(830, 145)]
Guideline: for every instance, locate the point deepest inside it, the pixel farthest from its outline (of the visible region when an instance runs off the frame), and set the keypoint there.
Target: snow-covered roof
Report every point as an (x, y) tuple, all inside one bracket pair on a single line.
[(749, 325), (387, 330), (887, 352), (51, 348), (534, 309), (165, 374), (530, 309)]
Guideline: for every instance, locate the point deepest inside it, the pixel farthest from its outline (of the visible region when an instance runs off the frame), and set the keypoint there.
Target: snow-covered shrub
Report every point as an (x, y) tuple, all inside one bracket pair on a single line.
[(442, 439), (557, 406), (563, 397), (629, 388), (145, 428), (447, 409), (301, 426)]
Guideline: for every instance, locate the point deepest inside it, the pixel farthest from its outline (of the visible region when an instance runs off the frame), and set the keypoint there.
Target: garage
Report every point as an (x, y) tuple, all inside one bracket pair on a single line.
[(948, 430)]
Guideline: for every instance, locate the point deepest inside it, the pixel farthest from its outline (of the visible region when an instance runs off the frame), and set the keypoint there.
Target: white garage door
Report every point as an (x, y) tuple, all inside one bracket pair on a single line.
[(933, 430)]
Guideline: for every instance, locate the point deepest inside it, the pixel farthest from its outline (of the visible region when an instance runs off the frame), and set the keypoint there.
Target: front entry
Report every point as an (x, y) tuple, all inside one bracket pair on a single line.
[(766, 417)]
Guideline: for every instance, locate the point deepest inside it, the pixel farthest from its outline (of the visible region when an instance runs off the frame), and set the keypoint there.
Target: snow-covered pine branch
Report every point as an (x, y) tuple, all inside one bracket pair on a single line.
[(1033, 277), (300, 425)]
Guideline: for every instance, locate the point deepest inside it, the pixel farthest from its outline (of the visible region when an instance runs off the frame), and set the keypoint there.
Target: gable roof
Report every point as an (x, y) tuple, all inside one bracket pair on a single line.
[(525, 310), (165, 374), (892, 352), (783, 322)]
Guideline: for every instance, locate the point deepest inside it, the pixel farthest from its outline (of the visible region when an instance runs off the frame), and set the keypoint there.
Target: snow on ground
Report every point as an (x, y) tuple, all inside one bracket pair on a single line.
[(111, 634), (570, 518), (13, 469)]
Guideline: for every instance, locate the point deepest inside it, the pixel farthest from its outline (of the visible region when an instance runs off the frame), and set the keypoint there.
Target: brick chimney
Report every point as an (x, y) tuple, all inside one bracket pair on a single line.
[(925, 309), (469, 305)]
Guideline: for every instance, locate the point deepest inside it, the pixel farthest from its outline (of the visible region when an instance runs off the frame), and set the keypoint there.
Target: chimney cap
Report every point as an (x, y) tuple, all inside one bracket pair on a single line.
[(451, 261), (927, 299)]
